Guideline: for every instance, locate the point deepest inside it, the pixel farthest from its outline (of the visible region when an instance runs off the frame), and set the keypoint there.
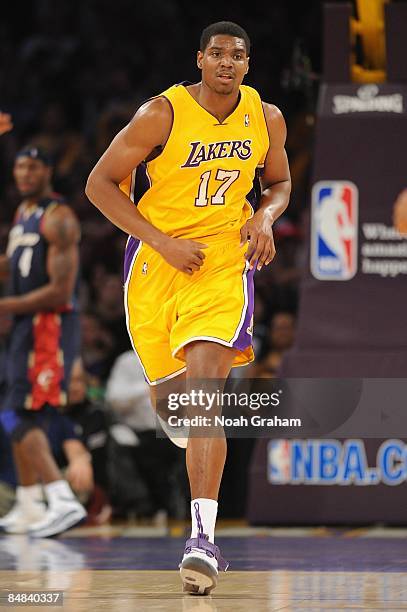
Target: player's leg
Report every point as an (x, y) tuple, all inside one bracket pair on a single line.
[(26, 474), (31, 447), (29, 506), (34, 446), (64, 511), (159, 395), (205, 457)]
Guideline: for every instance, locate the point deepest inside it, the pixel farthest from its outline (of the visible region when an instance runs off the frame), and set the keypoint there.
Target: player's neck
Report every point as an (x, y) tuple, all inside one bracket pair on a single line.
[(219, 105), (33, 200)]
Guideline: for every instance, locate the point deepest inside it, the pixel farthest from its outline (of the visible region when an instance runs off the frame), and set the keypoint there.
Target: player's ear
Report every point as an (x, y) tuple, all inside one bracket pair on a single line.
[(199, 59)]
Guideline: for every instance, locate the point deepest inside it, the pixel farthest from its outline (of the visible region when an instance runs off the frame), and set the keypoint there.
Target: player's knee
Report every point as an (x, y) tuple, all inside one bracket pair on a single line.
[(209, 361)]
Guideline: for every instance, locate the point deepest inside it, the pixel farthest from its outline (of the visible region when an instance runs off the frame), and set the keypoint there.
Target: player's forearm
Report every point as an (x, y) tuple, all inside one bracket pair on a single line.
[(117, 207), (4, 267), (274, 199), (46, 298)]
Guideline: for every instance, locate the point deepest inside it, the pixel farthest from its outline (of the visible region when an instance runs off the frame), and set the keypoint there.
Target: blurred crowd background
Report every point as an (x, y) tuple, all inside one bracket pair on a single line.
[(73, 74)]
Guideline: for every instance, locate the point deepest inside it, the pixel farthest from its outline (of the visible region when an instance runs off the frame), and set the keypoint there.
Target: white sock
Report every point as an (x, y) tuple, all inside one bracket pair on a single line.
[(29, 496), (208, 510), (59, 492)]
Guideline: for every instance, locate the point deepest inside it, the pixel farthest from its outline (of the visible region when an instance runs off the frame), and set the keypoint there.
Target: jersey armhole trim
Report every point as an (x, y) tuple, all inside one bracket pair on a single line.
[(50, 208), (267, 130), (147, 161)]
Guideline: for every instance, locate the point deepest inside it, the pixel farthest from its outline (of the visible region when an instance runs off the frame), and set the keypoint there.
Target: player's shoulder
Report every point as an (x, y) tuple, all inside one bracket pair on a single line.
[(155, 109), (152, 121), (271, 111), (274, 118), (59, 221), (56, 204)]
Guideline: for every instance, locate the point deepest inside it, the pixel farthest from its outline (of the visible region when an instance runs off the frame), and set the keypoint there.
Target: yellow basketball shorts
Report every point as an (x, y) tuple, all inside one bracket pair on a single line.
[(166, 308)]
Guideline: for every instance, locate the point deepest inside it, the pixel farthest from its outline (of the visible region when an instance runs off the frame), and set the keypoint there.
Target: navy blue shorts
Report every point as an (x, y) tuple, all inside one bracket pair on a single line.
[(56, 426)]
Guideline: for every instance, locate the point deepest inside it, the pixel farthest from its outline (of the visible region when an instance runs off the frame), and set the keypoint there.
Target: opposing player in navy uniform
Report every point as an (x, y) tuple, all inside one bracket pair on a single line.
[(41, 265)]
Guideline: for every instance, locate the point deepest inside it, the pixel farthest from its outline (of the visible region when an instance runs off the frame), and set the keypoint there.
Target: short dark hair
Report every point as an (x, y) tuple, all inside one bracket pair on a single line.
[(224, 27)]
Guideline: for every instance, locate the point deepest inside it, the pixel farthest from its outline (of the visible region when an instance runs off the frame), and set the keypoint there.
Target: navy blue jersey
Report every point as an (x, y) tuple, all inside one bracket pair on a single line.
[(27, 249)]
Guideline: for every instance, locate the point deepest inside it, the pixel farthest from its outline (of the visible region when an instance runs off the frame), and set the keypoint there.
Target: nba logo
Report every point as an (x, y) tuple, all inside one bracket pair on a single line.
[(279, 462), (334, 230)]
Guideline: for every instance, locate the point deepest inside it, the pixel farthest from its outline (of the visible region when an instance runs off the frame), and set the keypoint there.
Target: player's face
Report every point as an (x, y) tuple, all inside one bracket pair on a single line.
[(224, 63), (32, 176)]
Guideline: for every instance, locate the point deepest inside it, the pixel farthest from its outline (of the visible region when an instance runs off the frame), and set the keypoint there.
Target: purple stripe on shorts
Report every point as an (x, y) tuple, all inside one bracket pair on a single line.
[(244, 339), (131, 248)]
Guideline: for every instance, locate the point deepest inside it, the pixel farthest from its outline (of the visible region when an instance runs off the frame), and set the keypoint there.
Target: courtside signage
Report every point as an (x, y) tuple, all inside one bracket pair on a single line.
[(334, 230)]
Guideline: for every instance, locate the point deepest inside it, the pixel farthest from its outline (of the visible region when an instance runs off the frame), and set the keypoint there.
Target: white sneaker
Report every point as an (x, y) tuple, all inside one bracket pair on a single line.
[(19, 519), (200, 564), (177, 435), (12, 515), (199, 574), (57, 519), (23, 524)]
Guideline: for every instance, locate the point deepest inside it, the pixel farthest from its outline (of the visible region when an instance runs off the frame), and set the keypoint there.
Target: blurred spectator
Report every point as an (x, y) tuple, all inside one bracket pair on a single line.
[(109, 307), (111, 122), (280, 338), (92, 423), (260, 321), (128, 394), (156, 461), (269, 365), (282, 331), (97, 347), (279, 281)]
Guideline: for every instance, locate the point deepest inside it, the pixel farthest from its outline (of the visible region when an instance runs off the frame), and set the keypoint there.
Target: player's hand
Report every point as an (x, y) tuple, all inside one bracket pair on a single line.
[(184, 255), (258, 231), (79, 474), (5, 123), (400, 213)]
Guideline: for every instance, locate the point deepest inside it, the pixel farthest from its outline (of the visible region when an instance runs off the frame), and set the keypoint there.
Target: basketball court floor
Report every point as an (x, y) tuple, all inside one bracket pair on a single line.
[(270, 569)]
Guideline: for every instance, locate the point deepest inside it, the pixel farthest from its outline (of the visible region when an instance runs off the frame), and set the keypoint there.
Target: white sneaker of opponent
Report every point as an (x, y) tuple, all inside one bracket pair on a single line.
[(57, 519), (25, 519), (28, 508)]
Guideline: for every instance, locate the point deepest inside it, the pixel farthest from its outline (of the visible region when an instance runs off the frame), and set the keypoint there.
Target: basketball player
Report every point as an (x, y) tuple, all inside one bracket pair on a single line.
[(42, 266), (188, 267)]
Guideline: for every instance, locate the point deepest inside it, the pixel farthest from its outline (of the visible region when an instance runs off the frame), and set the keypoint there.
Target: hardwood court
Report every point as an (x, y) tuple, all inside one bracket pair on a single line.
[(324, 571)]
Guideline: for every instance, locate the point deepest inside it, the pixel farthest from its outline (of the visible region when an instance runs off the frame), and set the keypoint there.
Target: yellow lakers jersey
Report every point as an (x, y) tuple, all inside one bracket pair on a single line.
[(198, 186)]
